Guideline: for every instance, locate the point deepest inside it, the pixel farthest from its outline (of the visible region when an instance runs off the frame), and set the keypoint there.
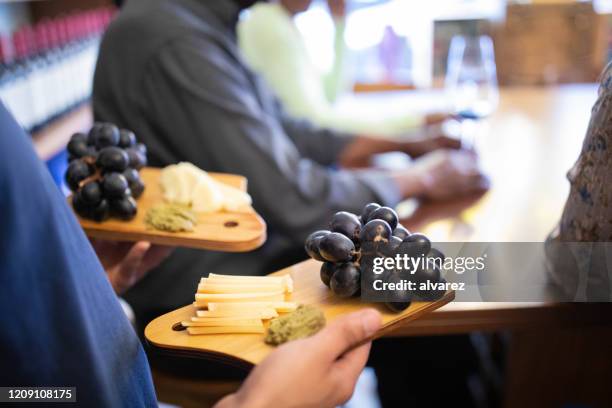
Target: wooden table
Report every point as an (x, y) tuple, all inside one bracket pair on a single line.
[(526, 148), (558, 353)]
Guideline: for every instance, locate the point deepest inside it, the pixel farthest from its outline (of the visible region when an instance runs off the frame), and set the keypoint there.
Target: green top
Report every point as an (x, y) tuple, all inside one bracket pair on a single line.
[(273, 47)]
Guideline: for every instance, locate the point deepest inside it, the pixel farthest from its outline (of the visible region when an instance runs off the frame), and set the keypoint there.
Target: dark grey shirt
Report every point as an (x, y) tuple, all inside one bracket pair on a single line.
[(171, 71)]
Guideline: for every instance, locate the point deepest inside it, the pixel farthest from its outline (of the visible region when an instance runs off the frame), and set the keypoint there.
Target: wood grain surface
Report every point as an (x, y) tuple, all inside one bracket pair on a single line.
[(222, 231), (526, 148), (247, 349)]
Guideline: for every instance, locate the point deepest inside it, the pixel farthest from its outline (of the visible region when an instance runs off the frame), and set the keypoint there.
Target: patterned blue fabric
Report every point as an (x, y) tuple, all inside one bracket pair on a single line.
[(61, 322)]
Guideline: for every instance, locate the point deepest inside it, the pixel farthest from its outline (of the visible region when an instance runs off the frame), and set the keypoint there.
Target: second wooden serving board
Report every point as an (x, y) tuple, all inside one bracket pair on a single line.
[(239, 231), (166, 332)]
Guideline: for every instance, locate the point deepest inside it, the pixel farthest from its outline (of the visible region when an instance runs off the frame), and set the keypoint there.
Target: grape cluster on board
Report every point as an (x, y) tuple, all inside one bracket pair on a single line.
[(103, 172), (351, 244)]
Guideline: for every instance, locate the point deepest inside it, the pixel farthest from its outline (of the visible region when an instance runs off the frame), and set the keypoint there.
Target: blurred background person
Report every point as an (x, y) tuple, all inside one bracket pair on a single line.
[(188, 97), (579, 250), (274, 48)]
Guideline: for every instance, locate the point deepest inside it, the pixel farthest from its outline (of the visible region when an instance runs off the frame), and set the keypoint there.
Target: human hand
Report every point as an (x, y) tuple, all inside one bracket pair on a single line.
[(420, 147), (358, 153), (436, 118), (445, 174), (337, 8), (126, 263), (319, 371)]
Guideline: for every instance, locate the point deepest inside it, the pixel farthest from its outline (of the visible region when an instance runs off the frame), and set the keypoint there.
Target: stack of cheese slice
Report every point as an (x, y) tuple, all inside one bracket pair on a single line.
[(239, 304)]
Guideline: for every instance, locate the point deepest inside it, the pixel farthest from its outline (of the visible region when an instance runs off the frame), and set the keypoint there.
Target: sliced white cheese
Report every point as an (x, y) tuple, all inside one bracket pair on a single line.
[(246, 277), (238, 279), (202, 299), (225, 330), (239, 304), (279, 306), (239, 288), (222, 322), (264, 313)]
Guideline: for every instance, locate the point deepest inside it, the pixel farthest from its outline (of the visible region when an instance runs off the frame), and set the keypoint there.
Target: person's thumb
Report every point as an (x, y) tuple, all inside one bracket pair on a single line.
[(348, 332)]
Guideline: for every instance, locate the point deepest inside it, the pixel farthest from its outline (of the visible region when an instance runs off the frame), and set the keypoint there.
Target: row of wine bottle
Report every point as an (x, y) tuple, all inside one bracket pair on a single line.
[(47, 68)]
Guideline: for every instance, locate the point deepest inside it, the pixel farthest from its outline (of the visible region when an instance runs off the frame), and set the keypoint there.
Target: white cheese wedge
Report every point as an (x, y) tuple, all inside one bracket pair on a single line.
[(206, 197), (186, 184), (233, 198), (190, 173), (176, 185), (169, 181)]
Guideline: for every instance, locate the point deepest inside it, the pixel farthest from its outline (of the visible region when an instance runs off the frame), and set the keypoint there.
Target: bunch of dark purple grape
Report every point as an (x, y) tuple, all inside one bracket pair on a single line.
[(103, 172), (351, 244)]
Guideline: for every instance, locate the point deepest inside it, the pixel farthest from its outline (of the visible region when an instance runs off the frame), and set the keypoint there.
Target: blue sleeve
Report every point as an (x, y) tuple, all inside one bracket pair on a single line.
[(61, 322)]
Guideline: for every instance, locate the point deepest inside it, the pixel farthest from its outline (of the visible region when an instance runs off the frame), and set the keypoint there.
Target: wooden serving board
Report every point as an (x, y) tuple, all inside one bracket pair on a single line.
[(249, 349), (222, 231)]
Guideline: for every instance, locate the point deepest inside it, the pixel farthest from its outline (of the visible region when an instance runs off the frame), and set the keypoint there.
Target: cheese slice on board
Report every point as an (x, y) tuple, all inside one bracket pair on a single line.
[(249, 278), (225, 330), (222, 322), (203, 299), (239, 288), (281, 307), (266, 313), (285, 280)]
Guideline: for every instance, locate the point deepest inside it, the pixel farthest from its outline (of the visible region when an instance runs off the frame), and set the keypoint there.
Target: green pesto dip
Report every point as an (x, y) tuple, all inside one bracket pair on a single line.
[(170, 218), (303, 322)]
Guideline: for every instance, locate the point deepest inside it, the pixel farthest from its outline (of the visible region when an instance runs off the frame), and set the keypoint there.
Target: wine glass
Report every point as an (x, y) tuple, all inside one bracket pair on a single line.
[(471, 81), (471, 78)]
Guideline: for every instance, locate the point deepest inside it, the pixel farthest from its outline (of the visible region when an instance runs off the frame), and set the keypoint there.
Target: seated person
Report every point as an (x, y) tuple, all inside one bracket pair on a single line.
[(63, 327), (171, 71), (274, 48), (579, 250)]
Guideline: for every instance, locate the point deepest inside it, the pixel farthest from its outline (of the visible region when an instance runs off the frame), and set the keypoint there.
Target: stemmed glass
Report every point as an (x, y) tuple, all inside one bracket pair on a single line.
[(471, 81)]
